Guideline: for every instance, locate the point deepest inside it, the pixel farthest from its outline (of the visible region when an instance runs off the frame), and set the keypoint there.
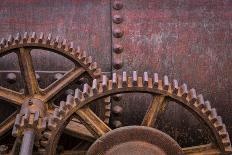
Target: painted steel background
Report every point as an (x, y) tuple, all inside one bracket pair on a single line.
[(187, 40)]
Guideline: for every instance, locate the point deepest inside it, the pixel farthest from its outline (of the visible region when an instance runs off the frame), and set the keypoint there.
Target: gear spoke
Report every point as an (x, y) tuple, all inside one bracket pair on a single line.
[(60, 84), (153, 111), (7, 124), (92, 122), (11, 96), (79, 131), (28, 73), (201, 149)]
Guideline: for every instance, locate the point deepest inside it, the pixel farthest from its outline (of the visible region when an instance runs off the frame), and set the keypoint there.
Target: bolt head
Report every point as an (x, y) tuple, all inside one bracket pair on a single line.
[(118, 63), (117, 19), (58, 76), (117, 110), (11, 78), (118, 33), (117, 48), (117, 5)]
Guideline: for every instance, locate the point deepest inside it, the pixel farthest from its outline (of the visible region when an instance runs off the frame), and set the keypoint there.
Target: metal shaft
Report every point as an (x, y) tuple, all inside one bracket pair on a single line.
[(28, 142)]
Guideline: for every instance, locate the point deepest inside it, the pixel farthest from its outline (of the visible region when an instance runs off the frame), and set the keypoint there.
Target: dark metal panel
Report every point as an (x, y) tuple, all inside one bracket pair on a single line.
[(84, 22), (187, 40)]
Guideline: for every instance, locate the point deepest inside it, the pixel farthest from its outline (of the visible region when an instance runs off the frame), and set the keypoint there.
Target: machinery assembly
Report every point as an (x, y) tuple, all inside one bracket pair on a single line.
[(128, 98)]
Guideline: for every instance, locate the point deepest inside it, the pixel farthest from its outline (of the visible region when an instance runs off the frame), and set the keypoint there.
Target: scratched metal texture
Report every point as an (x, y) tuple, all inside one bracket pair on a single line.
[(86, 23), (187, 40)]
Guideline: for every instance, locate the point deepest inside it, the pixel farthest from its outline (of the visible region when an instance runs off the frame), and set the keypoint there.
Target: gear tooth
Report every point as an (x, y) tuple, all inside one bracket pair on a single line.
[(114, 80), (135, 78), (82, 56), (64, 43), (207, 108), (213, 115), (93, 66), (17, 120), (79, 95), (17, 38), (94, 86), (200, 101), (33, 37), (124, 79), (192, 96), (70, 101), (87, 91), (51, 123), (62, 108), (218, 124), (41, 37), (145, 79), (226, 141), (3, 42), (104, 82), (14, 132), (175, 87), (97, 72), (71, 47), (223, 132), (56, 41), (25, 37), (10, 40), (36, 117), (183, 91), (44, 123), (49, 38), (155, 80), (88, 61), (165, 83)]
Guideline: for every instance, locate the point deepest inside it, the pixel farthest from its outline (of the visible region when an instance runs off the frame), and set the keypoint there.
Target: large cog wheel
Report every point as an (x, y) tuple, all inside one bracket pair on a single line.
[(22, 46), (162, 89)]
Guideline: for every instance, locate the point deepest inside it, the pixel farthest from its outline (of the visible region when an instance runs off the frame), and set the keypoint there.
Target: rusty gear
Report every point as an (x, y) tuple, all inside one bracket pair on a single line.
[(162, 89), (22, 45)]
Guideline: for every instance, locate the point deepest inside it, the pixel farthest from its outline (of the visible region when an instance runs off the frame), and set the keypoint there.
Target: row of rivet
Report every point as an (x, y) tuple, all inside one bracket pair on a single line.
[(117, 34), (117, 49)]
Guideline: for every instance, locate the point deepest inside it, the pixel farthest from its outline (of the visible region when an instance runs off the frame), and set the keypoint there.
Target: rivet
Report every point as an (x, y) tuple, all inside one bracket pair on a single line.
[(117, 97), (117, 19), (117, 5), (117, 48), (118, 33), (118, 62), (117, 124), (117, 110), (11, 78), (58, 76)]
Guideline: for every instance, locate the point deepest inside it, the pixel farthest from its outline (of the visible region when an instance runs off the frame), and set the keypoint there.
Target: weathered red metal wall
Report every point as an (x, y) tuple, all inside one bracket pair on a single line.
[(187, 40)]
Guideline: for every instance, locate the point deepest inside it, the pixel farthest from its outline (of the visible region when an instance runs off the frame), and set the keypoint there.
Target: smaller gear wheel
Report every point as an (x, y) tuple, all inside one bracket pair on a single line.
[(163, 90), (22, 45)]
